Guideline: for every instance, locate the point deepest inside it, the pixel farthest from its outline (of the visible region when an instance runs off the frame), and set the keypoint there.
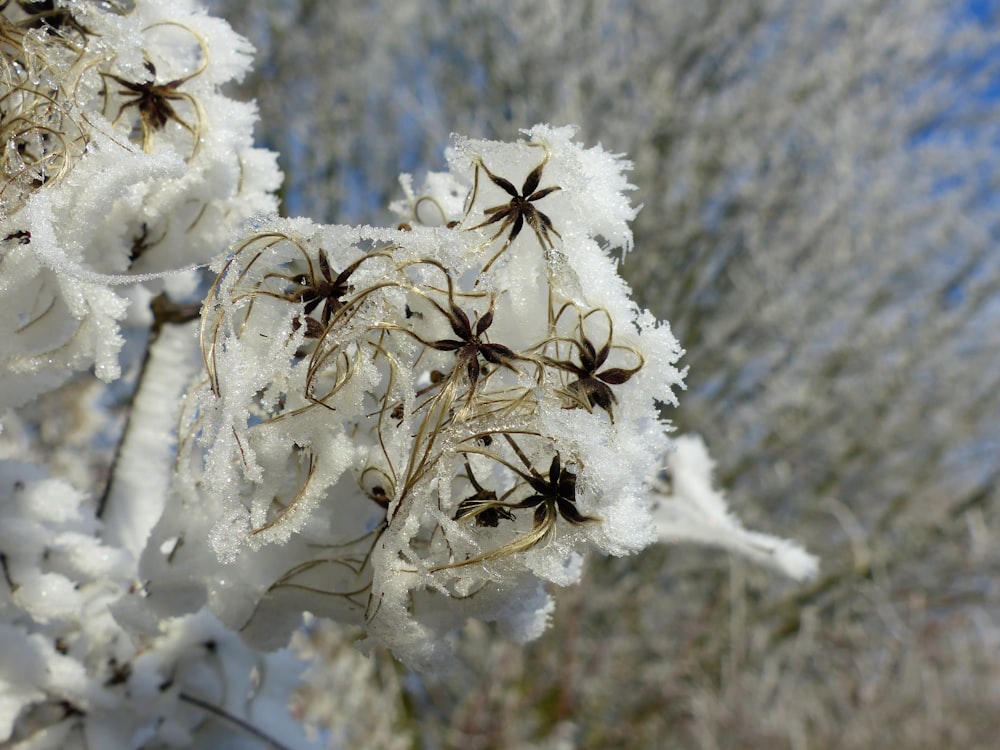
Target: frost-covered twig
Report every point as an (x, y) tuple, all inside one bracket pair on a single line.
[(689, 509), (136, 491)]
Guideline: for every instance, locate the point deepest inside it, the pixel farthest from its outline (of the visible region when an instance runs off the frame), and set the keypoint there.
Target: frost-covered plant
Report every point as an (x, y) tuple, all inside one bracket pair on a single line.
[(397, 428), (431, 421), (112, 180), (120, 158)]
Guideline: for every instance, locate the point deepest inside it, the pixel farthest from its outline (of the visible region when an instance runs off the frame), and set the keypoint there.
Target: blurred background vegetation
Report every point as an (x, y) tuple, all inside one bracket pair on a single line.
[(820, 222)]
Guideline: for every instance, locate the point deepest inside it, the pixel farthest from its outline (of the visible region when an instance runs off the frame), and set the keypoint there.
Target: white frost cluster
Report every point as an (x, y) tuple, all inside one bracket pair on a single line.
[(407, 428), (119, 160)]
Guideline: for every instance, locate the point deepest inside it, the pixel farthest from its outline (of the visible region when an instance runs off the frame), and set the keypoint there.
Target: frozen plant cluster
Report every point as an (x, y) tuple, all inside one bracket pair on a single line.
[(410, 427), (407, 428), (819, 228), (120, 161)]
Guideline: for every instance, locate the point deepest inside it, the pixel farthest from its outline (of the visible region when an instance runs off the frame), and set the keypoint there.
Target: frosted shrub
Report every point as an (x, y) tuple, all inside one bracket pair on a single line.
[(121, 167), (419, 425)]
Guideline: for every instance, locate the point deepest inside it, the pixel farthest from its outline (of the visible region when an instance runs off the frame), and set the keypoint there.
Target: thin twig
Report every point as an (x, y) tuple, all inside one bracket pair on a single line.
[(241, 723)]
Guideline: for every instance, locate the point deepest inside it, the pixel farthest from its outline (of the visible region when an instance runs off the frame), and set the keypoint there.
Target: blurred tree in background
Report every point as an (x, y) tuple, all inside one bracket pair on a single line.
[(820, 227)]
